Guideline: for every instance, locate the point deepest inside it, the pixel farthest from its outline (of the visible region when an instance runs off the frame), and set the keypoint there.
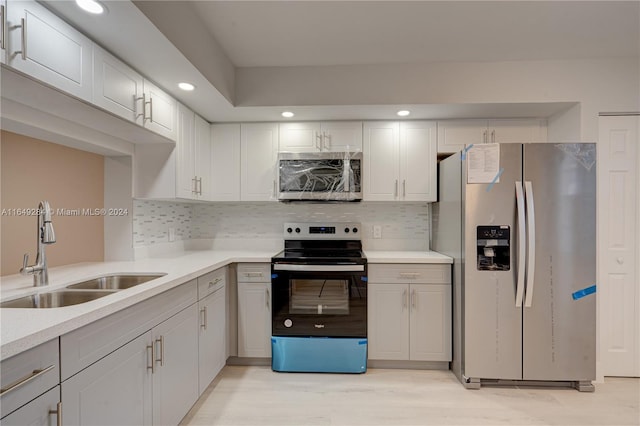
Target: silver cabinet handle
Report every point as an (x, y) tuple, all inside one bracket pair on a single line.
[(150, 102), (404, 187), (395, 194), (404, 299), (204, 317), (23, 41), (326, 137), (194, 190), (151, 348), (214, 282), (161, 360), (413, 299), (409, 275), (58, 413), (493, 136), (3, 23), (21, 382), (144, 106), (274, 188), (484, 136), (198, 185), (318, 141), (268, 297), (252, 274)]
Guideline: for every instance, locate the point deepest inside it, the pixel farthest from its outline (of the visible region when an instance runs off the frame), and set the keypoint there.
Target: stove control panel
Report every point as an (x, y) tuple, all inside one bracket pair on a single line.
[(322, 231)]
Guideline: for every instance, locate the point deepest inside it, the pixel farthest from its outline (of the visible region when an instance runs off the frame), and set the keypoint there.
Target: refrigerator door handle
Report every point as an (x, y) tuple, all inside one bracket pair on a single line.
[(531, 239), (522, 249)]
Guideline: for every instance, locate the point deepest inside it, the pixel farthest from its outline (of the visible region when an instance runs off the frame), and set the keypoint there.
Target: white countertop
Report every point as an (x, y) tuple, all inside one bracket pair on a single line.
[(22, 329)]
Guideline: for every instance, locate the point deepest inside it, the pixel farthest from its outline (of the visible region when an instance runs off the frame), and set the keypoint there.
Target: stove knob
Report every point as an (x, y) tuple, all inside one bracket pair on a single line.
[(288, 323), (297, 230), (289, 230), (346, 230), (355, 230)]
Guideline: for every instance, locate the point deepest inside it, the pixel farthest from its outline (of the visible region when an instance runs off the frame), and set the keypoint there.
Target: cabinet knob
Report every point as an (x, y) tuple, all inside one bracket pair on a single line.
[(620, 260)]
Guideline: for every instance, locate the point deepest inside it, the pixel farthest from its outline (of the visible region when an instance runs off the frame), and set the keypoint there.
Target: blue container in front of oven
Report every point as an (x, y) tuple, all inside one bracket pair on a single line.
[(319, 354)]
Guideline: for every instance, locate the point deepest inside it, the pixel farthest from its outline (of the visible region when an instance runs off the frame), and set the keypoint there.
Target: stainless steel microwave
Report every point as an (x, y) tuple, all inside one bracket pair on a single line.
[(320, 176)]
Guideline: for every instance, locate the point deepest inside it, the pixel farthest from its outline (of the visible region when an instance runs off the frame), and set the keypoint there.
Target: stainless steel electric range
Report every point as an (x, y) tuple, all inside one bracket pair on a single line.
[(319, 299)]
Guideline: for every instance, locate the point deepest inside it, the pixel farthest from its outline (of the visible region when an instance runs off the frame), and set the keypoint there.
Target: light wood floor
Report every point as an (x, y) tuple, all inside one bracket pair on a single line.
[(258, 396)]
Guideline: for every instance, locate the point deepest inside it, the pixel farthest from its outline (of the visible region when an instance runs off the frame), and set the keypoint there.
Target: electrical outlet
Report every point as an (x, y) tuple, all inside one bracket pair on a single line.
[(172, 234), (377, 231)]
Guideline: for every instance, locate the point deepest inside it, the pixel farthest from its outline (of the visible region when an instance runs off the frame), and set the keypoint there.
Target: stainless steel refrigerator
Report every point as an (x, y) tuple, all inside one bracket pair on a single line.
[(524, 249)]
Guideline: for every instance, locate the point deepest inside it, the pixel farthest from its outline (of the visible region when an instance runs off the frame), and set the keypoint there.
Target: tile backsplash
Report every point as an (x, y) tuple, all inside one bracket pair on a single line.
[(405, 226)]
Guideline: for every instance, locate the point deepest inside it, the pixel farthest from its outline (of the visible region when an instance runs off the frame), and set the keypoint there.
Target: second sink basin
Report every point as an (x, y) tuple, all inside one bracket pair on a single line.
[(54, 299), (115, 282)]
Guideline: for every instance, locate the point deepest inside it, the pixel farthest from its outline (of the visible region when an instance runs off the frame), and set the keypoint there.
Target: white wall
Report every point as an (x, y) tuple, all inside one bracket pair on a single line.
[(598, 85)]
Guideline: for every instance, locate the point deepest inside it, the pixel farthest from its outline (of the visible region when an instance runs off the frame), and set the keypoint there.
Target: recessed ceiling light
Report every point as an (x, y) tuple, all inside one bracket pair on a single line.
[(403, 113), (91, 6), (186, 86), (287, 114)]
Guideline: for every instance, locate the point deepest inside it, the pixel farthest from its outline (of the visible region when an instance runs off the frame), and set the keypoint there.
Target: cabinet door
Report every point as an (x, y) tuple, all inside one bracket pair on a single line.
[(160, 111), (225, 162), (3, 31), (42, 411), (380, 154), (212, 347), (517, 131), (202, 141), (418, 161), (48, 49), (254, 319), (116, 87), (300, 137), (185, 154), (388, 321), (114, 391), (340, 136), (430, 322), (258, 152), (175, 381), (453, 135)]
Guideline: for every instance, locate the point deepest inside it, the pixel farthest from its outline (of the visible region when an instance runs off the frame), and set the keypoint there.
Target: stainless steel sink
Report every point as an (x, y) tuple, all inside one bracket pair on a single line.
[(115, 282), (55, 299)]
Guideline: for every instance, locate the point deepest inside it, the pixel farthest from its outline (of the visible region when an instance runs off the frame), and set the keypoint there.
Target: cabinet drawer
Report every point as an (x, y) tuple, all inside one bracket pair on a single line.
[(88, 344), (211, 282), (254, 272), (409, 273), (29, 374)]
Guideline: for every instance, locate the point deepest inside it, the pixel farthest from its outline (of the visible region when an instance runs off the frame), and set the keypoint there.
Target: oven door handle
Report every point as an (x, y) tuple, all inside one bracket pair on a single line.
[(317, 268)]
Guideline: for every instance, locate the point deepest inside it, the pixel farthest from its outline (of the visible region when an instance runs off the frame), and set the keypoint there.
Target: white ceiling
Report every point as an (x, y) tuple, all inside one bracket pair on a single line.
[(316, 33)]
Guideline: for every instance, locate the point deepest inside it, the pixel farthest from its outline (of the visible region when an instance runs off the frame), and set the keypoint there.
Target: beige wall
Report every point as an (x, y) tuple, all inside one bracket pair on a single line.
[(34, 170)]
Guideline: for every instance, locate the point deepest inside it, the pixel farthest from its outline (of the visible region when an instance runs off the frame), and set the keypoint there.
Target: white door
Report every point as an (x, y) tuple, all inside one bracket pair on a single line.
[(186, 185), (42, 411), (381, 163), (342, 136), (225, 162), (122, 379), (430, 322), (388, 321), (3, 32), (618, 287), (45, 47), (300, 137), (159, 111), (418, 162), (175, 381), (202, 143), (517, 131), (453, 135), (254, 320), (212, 348), (116, 87), (258, 152)]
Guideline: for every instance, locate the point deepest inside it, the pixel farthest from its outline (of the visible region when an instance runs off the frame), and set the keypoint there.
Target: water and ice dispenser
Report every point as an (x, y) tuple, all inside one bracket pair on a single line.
[(493, 248)]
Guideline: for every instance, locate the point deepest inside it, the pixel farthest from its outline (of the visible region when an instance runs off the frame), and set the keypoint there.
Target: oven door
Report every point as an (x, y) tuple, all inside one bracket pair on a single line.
[(319, 300)]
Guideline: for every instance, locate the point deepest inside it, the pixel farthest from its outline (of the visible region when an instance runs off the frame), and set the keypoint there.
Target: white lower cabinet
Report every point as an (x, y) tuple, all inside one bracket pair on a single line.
[(212, 348), (42, 411), (409, 321), (254, 310)]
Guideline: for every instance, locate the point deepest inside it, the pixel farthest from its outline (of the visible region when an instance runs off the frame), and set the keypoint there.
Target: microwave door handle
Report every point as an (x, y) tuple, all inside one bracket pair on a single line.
[(521, 244)]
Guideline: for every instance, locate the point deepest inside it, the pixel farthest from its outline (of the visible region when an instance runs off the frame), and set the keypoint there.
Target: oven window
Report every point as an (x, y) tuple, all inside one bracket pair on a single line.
[(319, 297)]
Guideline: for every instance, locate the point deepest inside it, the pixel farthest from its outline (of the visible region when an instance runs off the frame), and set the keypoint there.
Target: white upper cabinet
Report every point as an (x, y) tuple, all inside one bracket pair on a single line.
[(159, 111), (453, 135), (3, 31), (225, 162), (116, 87), (258, 153), (327, 136), (193, 156), (45, 47), (400, 161)]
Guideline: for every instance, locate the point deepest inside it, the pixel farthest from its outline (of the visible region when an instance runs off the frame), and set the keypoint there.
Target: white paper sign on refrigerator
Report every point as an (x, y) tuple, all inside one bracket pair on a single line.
[(483, 163)]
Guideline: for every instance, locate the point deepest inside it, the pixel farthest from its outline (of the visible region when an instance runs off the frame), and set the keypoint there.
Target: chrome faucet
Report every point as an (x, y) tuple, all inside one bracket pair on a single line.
[(46, 235)]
